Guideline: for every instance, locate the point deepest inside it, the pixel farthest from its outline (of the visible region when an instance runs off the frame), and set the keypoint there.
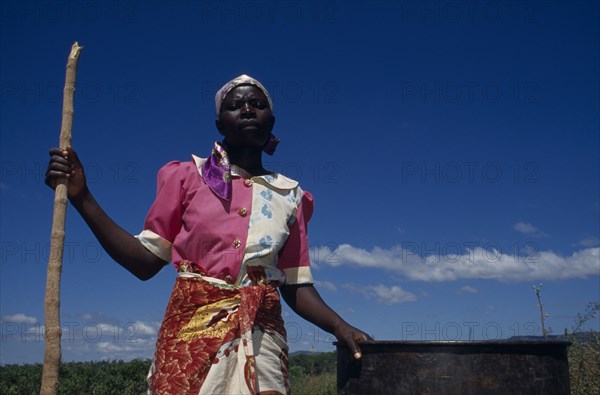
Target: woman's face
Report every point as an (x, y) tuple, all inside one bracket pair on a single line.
[(246, 118)]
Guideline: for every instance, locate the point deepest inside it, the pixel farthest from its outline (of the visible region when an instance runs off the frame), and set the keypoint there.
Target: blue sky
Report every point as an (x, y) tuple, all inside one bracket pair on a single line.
[(452, 149)]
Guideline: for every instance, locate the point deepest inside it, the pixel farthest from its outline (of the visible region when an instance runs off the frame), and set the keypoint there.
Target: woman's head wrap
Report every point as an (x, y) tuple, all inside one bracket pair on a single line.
[(237, 81)]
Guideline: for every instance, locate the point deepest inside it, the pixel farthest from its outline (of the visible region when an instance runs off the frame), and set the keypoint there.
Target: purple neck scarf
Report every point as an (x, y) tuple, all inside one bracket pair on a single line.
[(216, 171)]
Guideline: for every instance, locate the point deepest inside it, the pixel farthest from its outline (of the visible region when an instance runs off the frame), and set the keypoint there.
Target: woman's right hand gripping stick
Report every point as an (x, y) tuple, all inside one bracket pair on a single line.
[(66, 164)]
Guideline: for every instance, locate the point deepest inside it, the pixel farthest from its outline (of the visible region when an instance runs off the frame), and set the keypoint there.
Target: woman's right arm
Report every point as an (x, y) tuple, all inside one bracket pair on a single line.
[(119, 244)]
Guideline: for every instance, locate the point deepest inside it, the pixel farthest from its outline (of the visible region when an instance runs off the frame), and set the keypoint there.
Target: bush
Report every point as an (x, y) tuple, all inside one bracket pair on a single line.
[(313, 374), (584, 354), (20, 379)]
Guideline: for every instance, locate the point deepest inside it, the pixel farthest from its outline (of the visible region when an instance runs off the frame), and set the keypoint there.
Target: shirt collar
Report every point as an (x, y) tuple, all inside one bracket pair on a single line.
[(275, 180)]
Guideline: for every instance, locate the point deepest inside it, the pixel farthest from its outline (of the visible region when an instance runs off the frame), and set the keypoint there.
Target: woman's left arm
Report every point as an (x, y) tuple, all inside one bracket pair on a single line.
[(308, 304)]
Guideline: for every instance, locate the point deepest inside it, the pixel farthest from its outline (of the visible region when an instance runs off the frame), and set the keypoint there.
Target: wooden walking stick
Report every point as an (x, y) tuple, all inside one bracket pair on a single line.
[(52, 330)]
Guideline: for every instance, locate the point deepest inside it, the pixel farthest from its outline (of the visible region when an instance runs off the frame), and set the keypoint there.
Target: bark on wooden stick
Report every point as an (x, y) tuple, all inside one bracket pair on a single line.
[(52, 330)]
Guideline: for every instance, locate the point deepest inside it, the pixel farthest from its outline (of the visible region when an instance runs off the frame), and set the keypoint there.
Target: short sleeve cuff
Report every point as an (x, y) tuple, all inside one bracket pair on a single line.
[(156, 244), (298, 275)]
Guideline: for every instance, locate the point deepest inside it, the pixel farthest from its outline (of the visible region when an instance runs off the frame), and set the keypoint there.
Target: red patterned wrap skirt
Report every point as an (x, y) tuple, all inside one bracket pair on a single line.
[(217, 338)]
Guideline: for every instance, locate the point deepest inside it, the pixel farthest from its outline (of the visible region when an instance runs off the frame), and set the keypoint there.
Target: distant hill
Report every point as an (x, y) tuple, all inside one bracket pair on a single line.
[(305, 352)]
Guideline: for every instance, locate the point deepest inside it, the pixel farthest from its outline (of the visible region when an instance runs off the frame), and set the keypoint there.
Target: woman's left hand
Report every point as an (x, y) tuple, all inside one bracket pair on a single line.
[(307, 303), (350, 335)]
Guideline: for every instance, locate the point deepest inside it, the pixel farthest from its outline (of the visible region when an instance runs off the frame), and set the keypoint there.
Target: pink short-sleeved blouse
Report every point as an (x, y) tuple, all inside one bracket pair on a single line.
[(264, 223)]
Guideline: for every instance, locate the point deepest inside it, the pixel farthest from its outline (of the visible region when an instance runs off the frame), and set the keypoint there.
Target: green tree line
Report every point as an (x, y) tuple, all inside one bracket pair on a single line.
[(119, 377)]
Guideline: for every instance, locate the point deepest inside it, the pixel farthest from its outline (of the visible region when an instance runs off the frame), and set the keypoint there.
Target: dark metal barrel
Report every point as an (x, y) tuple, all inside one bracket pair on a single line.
[(455, 367)]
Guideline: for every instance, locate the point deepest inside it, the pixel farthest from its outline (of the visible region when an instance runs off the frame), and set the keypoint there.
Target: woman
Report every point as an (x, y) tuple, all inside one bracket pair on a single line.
[(235, 232)]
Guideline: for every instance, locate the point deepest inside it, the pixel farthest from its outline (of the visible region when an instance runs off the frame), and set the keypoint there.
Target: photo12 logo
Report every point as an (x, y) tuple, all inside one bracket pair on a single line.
[(468, 330), (469, 172), (269, 12), (70, 12), (36, 92)]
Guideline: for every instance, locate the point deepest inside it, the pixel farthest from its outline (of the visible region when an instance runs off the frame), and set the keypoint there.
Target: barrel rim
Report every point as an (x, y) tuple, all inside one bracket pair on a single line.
[(461, 343)]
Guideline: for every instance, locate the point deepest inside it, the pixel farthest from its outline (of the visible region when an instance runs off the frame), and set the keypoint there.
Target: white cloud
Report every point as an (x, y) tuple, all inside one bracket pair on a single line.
[(467, 289), (588, 242), (473, 263), (383, 294), (392, 295), (19, 318), (111, 348), (326, 285), (143, 329), (528, 229), (107, 329), (525, 228)]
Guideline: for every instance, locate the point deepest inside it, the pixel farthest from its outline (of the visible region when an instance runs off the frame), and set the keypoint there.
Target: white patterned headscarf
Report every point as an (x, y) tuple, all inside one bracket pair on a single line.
[(237, 81)]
